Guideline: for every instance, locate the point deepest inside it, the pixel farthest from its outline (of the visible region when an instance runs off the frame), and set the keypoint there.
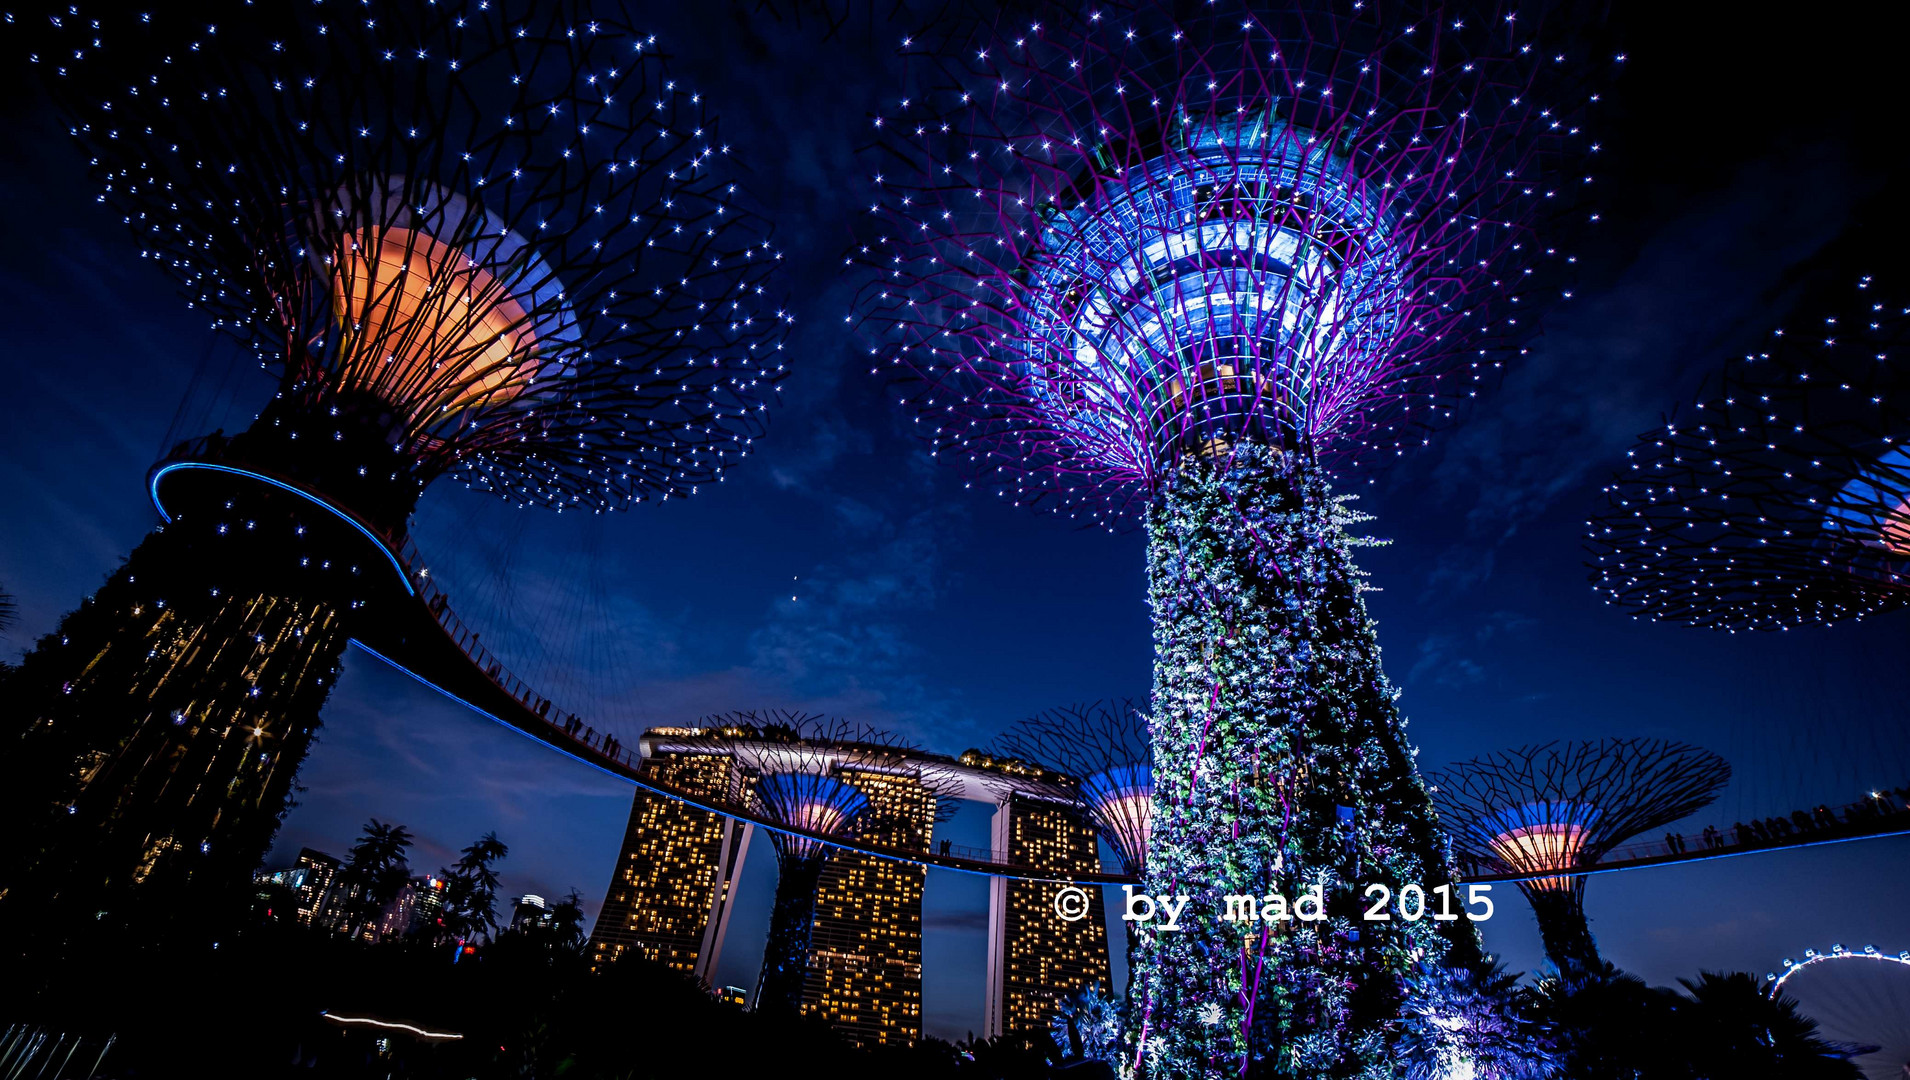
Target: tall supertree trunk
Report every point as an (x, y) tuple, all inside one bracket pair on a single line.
[(149, 747), (1559, 905), (786, 952), (1280, 766), (151, 743)]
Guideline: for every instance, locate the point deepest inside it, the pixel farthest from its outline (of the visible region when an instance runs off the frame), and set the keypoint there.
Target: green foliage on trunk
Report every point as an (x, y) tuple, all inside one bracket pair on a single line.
[(1280, 765)]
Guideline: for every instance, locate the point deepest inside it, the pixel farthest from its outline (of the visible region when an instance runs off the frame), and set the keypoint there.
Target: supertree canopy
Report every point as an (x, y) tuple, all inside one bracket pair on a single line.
[(1140, 257), (1102, 752), (1562, 807), (1101, 757), (1783, 499), (795, 770), (491, 240), (498, 235), (1116, 240)]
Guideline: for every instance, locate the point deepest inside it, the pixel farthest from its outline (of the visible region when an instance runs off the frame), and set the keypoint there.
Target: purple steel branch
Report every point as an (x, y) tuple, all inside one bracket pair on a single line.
[(1103, 237)]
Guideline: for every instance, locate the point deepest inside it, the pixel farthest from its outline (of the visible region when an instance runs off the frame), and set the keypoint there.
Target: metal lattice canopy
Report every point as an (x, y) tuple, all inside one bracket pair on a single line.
[(792, 769), (1782, 500), (1102, 752), (1102, 237), (1564, 805), (503, 224)]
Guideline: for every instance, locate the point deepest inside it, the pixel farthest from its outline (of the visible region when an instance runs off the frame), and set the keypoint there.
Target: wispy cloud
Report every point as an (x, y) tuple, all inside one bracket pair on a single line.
[(1440, 661), (1613, 362), (1448, 659)]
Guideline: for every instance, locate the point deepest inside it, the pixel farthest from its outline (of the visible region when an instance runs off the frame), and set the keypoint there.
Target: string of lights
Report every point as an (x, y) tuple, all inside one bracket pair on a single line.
[(1135, 262), (1782, 500)]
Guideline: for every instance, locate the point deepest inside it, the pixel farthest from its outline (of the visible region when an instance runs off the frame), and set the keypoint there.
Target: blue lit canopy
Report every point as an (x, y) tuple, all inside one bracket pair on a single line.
[(1124, 233), (1237, 283)]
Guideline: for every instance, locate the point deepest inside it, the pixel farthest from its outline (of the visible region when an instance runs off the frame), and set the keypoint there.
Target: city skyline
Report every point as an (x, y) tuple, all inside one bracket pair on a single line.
[(884, 598)]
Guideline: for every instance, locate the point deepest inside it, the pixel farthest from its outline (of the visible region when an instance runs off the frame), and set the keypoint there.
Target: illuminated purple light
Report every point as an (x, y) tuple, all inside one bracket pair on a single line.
[(1101, 245)]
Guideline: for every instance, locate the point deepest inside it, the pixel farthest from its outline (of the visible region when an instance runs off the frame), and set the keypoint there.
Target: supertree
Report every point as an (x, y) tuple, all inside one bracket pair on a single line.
[(1783, 499), (1561, 807), (1098, 754), (795, 770), (1142, 259), (487, 240), (1101, 751)]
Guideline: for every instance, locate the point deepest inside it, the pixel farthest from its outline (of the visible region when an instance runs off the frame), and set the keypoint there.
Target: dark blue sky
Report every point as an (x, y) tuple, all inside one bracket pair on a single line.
[(846, 573)]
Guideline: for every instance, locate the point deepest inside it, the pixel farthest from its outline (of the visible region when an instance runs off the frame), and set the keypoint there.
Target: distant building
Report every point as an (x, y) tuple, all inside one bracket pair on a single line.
[(529, 910), (317, 873), (865, 953), (1035, 958), (326, 900), (311, 879), (669, 896), (416, 906), (733, 995)]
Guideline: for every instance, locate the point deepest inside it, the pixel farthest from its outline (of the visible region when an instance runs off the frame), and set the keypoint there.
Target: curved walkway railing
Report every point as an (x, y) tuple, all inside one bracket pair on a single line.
[(1881, 813), (485, 676)]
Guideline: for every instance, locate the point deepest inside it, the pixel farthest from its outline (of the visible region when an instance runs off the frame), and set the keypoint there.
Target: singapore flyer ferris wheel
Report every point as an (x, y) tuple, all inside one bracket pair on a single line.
[(1860, 998)]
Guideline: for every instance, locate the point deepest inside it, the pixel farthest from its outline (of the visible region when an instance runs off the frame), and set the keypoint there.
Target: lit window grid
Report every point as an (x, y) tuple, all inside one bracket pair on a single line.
[(668, 869), (865, 962), (1048, 959)]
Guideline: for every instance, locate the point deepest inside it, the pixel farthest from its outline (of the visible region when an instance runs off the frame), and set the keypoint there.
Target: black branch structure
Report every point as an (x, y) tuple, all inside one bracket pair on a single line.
[(1781, 499), (1561, 806), (1102, 757)]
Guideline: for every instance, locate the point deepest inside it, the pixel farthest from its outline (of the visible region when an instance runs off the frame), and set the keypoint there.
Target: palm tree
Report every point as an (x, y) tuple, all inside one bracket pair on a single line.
[(567, 922), (557, 935), (470, 895), (1740, 1030), (1609, 1025), (376, 872)]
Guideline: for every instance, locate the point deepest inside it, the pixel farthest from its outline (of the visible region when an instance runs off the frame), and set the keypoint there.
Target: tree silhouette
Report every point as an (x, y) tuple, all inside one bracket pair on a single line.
[(375, 873), (1611, 1026), (470, 895), (1738, 1029)]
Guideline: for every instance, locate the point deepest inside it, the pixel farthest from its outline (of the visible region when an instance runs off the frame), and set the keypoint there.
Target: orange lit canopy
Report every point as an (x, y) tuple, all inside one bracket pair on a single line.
[(440, 309), (1543, 847)]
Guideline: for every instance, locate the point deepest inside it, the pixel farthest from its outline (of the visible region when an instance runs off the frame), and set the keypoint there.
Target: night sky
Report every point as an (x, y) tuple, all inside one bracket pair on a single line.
[(1748, 167)]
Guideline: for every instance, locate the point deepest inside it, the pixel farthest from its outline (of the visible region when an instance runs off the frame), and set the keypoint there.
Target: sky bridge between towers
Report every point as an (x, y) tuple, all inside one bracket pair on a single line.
[(418, 633)]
